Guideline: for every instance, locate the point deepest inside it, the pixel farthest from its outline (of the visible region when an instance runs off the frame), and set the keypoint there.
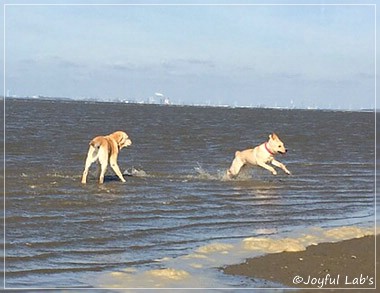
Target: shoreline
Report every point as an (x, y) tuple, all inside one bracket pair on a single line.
[(345, 264)]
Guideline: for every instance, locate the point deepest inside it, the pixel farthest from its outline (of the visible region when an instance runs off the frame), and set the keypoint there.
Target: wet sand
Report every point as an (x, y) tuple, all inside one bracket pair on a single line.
[(345, 264)]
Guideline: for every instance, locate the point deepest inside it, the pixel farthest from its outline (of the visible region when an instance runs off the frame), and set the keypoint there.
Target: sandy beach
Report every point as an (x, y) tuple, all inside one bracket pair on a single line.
[(345, 264)]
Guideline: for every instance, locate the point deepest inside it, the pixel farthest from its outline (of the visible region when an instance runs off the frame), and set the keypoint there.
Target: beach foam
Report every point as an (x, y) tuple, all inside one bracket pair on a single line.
[(273, 245), (347, 233), (199, 269), (168, 273), (215, 247)]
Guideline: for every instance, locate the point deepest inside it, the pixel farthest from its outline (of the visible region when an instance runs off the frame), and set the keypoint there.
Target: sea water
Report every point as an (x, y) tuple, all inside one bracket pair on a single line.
[(176, 220)]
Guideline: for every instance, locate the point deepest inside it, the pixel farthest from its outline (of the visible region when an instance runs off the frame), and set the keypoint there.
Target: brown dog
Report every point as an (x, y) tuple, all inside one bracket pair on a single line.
[(260, 156), (104, 149)]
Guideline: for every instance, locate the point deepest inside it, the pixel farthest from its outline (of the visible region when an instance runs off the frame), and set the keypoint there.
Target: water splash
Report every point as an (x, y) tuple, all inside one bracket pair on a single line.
[(201, 173), (135, 172)]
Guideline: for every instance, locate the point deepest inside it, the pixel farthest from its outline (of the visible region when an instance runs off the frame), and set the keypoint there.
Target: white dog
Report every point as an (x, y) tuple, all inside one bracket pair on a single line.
[(104, 149), (260, 156)]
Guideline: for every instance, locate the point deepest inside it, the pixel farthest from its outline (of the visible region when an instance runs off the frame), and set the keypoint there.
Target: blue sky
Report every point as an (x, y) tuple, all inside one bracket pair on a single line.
[(318, 55)]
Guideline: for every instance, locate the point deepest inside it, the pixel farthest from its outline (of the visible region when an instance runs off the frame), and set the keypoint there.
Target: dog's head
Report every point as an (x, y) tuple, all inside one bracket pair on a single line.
[(276, 145), (121, 139)]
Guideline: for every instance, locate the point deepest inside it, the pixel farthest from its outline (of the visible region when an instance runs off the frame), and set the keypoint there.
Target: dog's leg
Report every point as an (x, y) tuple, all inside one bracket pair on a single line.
[(89, 160), (98, 169), (103, 161), (236, 165), (85, 173), (103, 169), (115, 167), (269, 168), (281, 165)]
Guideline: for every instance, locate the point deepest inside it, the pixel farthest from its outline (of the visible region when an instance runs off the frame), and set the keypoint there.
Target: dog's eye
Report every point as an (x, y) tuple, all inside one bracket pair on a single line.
[(280, 146)]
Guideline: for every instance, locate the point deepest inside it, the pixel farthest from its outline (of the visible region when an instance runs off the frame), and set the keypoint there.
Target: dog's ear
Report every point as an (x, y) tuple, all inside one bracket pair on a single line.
[(274, 136), (122, 138)]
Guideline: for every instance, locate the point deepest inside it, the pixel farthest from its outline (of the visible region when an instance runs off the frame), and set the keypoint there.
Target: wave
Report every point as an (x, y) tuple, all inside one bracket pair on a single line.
[(198, 268)]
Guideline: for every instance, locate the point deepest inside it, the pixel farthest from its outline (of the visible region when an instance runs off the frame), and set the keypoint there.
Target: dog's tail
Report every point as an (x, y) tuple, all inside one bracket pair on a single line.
[(95, 143)]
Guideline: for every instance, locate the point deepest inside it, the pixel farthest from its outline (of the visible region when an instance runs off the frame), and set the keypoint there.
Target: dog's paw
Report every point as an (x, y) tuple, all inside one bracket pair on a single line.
[(274, 172), (228, 175)]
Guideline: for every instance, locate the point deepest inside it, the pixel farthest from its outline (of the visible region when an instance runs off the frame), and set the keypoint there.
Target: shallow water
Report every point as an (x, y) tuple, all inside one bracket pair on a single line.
[(60, 233)]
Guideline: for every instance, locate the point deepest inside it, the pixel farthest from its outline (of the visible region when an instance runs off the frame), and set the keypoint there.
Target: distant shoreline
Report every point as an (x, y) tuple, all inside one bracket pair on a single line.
[(345, 264), (222, 106)]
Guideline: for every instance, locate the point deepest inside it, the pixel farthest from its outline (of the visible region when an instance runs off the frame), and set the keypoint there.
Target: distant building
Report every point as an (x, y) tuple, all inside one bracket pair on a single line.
[(163, 99)]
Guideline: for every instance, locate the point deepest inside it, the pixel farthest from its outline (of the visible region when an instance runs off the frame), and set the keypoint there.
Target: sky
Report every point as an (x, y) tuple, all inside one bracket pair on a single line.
[(242, 55)]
